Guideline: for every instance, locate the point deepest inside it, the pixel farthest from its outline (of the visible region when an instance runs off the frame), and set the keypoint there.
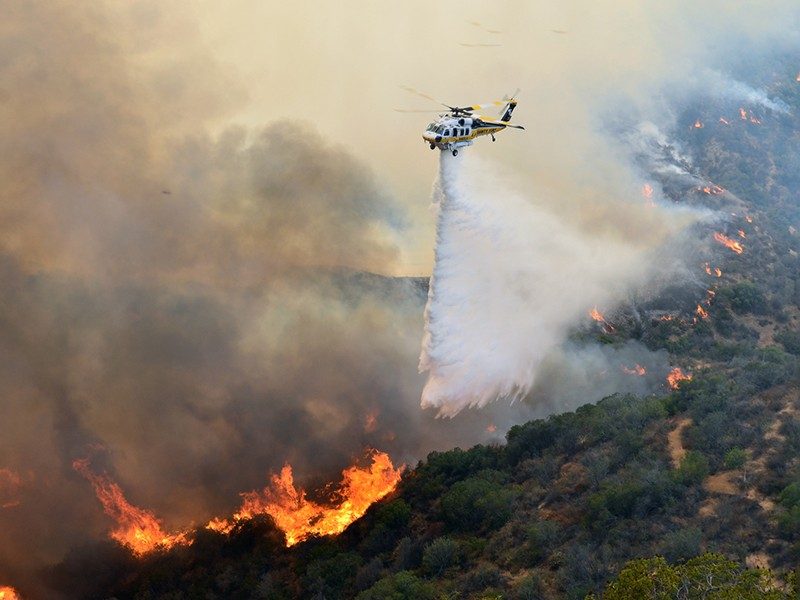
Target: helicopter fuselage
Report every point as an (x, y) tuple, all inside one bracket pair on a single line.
[(449, 133)]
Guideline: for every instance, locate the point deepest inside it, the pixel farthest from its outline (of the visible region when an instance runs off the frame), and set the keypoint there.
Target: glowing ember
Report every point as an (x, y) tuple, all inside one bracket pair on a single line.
[(598, 316), (698, 124), (647, 192), (135, 527), (724, 121), (9, 593), (729, 243), (675, 376), (636, 370), (371, 421), (10, 482), (300, 517)]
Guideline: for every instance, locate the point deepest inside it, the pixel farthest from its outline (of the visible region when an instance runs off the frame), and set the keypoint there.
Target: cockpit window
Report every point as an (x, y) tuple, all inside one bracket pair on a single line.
[(446, 132)]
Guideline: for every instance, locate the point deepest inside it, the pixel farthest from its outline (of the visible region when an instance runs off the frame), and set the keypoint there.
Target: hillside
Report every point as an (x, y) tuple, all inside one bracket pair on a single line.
[(561, 508)]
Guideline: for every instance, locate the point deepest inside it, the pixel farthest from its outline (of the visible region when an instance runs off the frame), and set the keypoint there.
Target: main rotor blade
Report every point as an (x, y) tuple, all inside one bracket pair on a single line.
[(411, 90), (406, 110)]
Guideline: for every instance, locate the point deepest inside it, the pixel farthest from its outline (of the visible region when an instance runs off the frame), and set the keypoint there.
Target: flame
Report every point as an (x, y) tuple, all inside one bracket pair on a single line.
[(748, 218), (491, 428), (729, 243), (741, 234), (743, 114), (797, 78), (636, 370), (300, 517), (724, 121), (698, 124), (598, 316), (754, 120), (712, 189), (675, 376), (135, 528), (701, 312), (714, 271), (9, 593)]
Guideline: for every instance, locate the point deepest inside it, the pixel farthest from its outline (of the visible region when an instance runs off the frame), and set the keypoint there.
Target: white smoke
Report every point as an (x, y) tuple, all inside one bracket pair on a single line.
[(510, 279)]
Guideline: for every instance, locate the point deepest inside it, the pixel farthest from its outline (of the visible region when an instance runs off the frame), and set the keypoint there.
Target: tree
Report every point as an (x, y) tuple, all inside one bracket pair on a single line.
[(707, 577)]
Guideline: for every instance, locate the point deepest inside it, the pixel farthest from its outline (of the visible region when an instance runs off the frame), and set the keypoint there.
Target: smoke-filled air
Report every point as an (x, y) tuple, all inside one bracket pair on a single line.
[(220, 256)]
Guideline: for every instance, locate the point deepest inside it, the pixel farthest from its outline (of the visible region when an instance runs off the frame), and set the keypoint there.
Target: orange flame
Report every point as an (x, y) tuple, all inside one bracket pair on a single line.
[(636, 370), (698, 124), (743, 114), (300, 517), (797, 78), (741, 234), (598, 316), (701, 312), (729, 243), (675, 376), (666, 318), (9, 593), (491, 428), (754, 120), (748, 218), (724, 121), (135, 528)]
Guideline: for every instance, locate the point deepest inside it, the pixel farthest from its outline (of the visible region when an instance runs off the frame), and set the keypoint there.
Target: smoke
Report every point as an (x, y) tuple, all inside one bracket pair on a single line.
[(190, 283), (511, 279)]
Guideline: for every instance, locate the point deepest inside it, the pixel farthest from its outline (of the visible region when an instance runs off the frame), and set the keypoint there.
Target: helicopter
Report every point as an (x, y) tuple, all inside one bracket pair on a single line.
[(460, 126)]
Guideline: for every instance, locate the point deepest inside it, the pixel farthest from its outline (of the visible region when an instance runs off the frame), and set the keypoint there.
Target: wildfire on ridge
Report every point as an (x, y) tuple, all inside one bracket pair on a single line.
[(729, 243), (9, 593), (300, 518), (675, 376), (136, 528), (598, 316), (636, 370)]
